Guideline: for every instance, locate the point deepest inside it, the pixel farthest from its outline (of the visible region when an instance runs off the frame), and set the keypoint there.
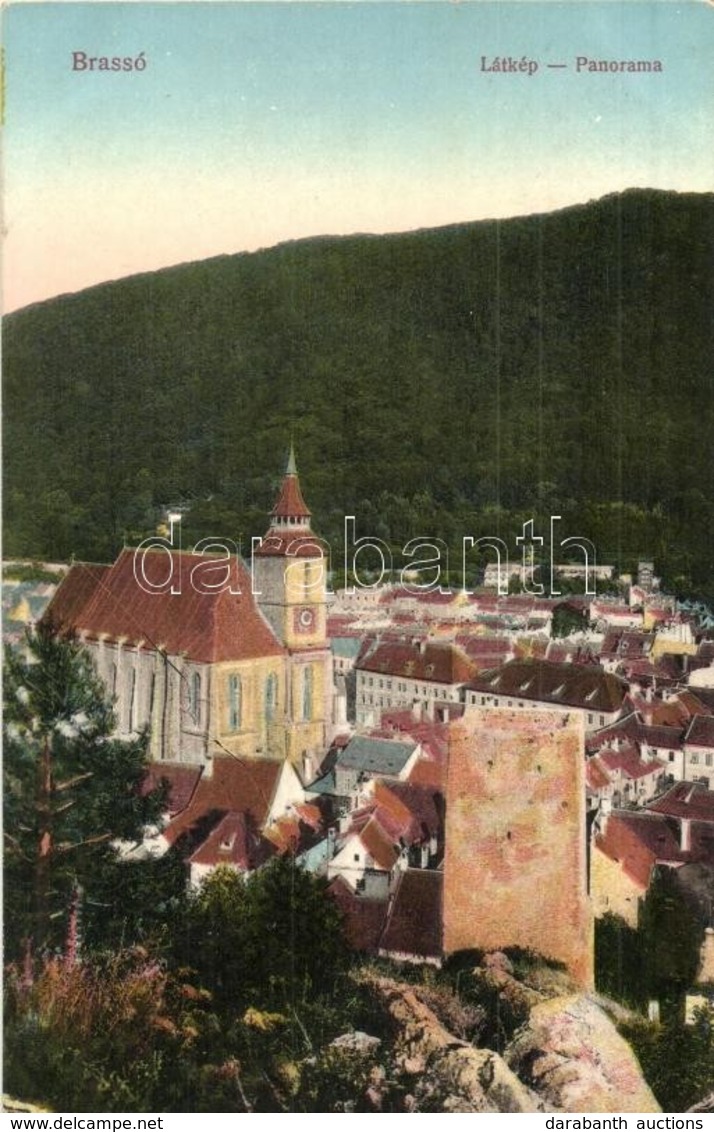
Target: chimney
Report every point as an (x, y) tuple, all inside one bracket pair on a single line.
[(685, 835), (416, 711)]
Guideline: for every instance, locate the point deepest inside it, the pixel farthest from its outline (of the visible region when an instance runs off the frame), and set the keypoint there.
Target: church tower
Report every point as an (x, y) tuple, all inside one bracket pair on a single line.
[(290, 584)]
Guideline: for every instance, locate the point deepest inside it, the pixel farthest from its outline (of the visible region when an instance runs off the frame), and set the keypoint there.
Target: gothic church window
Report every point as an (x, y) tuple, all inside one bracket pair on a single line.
[(307, 693), (271, 697), (234, 703), (194, 697)]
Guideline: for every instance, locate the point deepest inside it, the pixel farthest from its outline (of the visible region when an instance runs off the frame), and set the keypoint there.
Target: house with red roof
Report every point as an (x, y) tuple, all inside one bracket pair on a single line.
[(394, 674), (675, 830), (529, 683), (619, 774), (699, 750)]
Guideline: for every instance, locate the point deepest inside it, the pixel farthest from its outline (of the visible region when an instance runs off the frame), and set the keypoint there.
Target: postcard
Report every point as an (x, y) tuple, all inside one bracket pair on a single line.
[(359, 558)]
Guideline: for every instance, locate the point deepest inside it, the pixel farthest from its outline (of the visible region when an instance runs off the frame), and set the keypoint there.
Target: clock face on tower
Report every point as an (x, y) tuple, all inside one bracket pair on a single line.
[(304, 620)]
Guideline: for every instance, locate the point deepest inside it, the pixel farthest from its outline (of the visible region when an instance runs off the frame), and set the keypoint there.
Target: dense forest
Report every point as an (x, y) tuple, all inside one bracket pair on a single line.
[(446, 382)]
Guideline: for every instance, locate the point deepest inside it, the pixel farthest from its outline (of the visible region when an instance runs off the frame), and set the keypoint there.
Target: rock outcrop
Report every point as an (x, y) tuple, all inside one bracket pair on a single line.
[(449, 1074), (564, 1053), (571, 1055)]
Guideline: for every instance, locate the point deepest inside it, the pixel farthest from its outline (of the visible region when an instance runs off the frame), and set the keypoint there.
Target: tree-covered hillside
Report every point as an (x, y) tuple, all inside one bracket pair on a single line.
[(449, 382)]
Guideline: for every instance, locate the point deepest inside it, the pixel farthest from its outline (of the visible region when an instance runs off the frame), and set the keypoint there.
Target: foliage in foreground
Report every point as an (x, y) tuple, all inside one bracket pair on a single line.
[(677, 1060), (71, 789)]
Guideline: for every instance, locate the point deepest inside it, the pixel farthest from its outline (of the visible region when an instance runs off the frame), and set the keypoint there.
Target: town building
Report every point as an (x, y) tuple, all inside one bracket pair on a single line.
[(524, 684), (393, 675), (214, 659)]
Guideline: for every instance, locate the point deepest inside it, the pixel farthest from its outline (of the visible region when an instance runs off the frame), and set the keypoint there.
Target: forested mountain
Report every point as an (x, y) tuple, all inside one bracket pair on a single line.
[(446, 382)]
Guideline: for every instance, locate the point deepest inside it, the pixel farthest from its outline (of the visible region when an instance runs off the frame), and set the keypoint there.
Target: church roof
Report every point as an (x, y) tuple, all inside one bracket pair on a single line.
[(290, 504), (204, 625), (74, 592)]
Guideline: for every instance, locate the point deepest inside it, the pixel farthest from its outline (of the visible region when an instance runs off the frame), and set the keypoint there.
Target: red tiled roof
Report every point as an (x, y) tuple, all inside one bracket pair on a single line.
[(660, 713), (693, 705), (583, 686), (428, 773), (414, 926), (637, 840), (432, 736), (394, 817), (232, 842), (701, 732), (290, 503), (284, 834), (632, 727), (662, 737), (379, 844), (204, 626), (340, 625), (595, 774), (363, 919), (686, 800), (182, 781), (435, 597), (626, 643), (439, 663), (73, 594), (424, 806), (245, 786), (629, 762), (310, 814)]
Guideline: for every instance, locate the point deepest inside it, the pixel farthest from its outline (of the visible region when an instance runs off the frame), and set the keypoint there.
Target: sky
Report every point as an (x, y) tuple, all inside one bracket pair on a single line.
[(257, 122)]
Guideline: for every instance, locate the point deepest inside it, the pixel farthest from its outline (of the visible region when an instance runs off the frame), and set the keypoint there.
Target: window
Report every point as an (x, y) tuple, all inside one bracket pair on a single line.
[(708, 758), (307, 693), (194, 697), (234, 703), (694, 758), (152, 694), (271, 697), (306, 580), (132, 702)]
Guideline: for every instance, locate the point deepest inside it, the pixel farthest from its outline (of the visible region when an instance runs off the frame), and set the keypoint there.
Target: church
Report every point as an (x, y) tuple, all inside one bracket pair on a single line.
[(241, 668)]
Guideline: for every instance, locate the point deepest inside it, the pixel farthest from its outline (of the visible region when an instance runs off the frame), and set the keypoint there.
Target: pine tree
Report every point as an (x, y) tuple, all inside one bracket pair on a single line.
[(71, 789)]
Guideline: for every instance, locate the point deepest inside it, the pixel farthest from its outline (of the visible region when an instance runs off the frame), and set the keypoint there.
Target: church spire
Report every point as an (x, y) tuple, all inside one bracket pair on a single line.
[(290, 509)]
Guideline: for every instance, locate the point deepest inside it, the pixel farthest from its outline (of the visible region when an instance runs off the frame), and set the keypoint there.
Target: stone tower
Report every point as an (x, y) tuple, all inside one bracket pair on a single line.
[(290, 585), (515, 869)]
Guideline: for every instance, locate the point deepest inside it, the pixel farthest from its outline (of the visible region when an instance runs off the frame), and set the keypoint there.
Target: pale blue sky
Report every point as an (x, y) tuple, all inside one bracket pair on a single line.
[(259, 122)]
